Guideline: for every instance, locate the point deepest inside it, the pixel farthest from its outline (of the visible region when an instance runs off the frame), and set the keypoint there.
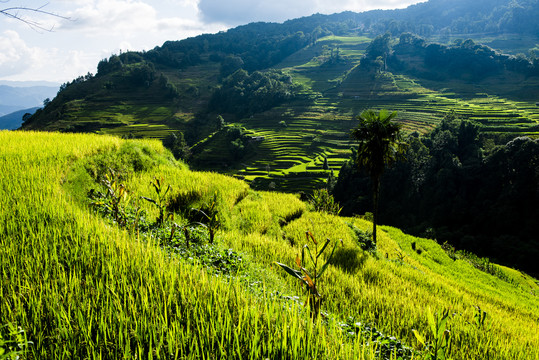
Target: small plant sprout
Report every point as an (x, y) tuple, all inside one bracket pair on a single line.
[(161, 203), (437, 344), (480, 320), (400, 255), (309, 278), (209, 217), (114, 200)]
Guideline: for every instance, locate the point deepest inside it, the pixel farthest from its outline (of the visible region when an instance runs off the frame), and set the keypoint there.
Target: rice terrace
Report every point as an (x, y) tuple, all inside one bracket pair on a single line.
[(362, 185)]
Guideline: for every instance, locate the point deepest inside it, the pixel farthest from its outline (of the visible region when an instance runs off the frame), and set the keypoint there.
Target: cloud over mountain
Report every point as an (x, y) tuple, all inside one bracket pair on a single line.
[(235, 12)]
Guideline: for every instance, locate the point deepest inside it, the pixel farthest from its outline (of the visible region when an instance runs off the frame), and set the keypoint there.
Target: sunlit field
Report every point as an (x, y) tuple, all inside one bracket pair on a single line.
[(125, 271)]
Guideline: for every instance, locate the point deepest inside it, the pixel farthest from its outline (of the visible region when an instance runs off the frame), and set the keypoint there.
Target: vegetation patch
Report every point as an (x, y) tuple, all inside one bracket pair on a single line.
[(188, 298)]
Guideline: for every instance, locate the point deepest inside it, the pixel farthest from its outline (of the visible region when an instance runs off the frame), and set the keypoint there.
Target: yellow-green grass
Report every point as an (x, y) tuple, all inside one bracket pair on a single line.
[(82, 288)]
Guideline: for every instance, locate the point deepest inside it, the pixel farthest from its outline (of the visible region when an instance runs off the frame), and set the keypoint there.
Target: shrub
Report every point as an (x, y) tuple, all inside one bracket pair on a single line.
[(364, 238), (323, 201)]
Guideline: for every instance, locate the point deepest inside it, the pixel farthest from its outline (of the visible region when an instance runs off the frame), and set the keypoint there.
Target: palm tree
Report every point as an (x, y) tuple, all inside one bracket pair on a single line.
[(379, 145)]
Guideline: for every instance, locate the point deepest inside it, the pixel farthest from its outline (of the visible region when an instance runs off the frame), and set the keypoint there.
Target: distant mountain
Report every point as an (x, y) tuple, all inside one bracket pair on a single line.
[(7, 109), (29, 83), (14, 120), (23, 96)]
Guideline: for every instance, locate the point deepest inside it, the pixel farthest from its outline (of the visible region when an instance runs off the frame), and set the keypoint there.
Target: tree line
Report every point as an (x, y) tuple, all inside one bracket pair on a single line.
[(462, 59), (455, 188)]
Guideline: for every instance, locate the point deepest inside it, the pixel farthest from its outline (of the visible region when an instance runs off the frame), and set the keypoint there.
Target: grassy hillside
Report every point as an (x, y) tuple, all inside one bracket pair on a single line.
[(297, 136), (83, 283)]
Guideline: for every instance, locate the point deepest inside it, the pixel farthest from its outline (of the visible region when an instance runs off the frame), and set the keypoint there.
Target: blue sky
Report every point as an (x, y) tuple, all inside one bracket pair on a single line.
[(98, 28)]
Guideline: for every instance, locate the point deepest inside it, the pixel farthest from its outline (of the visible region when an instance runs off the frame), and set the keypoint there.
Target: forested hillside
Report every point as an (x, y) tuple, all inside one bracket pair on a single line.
[(261, 46), (273, 104), (454, 189)]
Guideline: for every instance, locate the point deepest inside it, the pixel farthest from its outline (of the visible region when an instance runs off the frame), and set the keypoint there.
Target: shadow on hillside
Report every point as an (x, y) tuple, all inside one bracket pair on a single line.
[(349, 260)]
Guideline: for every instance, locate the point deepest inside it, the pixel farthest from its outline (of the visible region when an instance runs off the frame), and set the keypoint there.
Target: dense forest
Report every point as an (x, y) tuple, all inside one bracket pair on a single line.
[(244, 94), (462, 59), (453, 188)]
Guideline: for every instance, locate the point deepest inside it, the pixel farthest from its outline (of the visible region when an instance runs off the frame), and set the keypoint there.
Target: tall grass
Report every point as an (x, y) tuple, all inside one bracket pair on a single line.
[(80, 287), (83, 289)]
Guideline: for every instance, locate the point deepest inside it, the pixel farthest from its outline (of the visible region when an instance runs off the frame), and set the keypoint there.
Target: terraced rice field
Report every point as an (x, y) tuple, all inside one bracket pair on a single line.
[(292, 158)]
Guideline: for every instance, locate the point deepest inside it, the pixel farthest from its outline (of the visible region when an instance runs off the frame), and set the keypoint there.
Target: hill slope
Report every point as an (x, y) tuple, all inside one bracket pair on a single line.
[(180, 86), (82, 283), (14, 120)]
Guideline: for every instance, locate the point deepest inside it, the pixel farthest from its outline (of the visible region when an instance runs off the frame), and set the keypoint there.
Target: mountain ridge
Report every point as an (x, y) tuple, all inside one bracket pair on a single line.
[(13, 121)]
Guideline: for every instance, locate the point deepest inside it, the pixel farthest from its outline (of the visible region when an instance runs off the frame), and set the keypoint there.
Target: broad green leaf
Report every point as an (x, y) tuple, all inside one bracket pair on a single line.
[(289, 270), (323, 248), (432, 323), (441, 354), (441, 325)]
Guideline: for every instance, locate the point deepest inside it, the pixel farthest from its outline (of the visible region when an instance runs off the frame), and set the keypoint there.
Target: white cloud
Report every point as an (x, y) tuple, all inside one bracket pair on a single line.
[(145, 24), (110, 15), (18, 61), (237, 12), (15, 55)]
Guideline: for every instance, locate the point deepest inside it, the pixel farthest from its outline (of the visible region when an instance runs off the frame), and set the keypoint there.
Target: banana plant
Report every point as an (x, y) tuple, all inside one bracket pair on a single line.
[(310, 278), (208, 216), (160, 202), (440, 337)]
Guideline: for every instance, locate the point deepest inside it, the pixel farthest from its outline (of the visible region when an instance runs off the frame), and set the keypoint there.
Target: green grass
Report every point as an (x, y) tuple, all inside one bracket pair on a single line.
[(80, 287)]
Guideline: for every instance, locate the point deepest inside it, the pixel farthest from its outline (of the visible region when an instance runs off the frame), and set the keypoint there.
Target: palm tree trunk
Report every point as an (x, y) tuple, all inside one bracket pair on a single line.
[(375, 195)]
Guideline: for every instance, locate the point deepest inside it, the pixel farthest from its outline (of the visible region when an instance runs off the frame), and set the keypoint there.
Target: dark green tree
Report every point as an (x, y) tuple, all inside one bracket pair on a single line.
[(176, 143), (26, 117), (326, 165), (380, 144), (377, 52)]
